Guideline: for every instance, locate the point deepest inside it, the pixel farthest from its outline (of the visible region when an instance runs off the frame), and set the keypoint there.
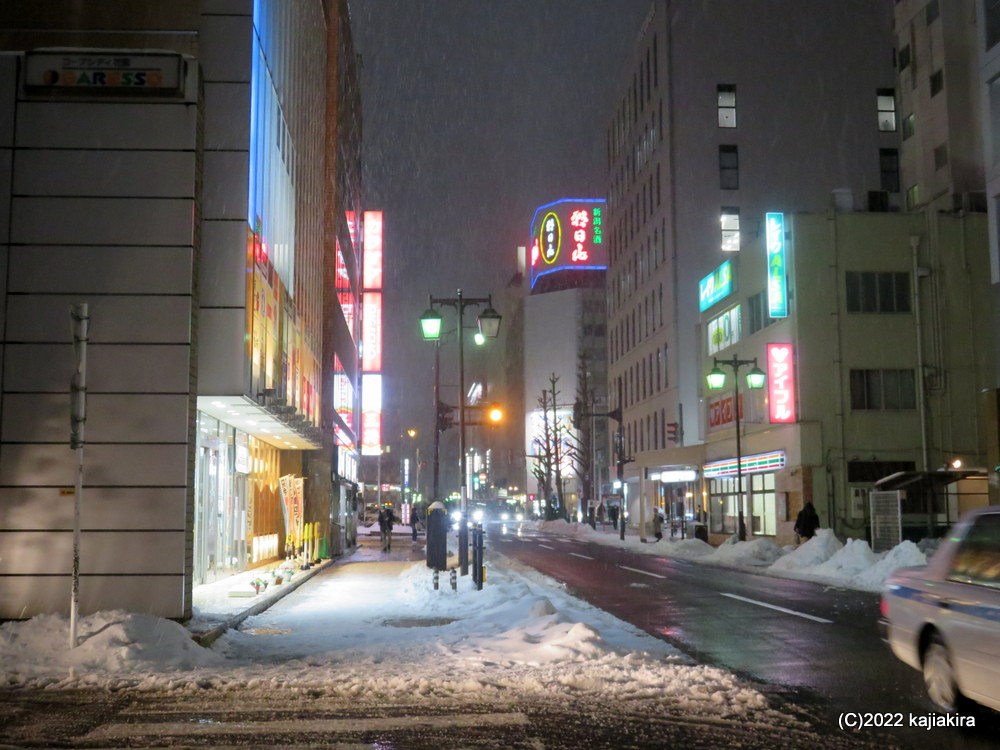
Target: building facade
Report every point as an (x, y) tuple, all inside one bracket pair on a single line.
[(210, 199), (698, 156)]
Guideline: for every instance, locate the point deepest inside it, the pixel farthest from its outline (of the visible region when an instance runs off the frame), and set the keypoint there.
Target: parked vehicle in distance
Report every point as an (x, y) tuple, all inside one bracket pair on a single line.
[(944, 618)]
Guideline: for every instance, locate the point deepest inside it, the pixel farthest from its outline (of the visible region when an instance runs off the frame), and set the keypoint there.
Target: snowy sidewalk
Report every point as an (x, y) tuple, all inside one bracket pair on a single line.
[(227, 602)]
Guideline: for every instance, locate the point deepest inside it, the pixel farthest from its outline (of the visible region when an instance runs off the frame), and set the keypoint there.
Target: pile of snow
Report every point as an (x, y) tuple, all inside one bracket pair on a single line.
[(824, 558), (36, 652), (754, 553), (903, 555), (814, 552)]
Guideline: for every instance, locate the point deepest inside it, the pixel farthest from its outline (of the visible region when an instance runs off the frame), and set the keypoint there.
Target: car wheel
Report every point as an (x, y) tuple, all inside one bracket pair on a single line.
[(939, 677)]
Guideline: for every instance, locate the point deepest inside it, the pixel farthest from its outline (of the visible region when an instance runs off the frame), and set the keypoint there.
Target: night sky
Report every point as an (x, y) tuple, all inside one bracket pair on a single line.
[(476, 112)]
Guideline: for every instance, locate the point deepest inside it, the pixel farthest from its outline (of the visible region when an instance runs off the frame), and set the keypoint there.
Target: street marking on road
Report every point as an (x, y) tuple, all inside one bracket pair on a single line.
[(208, 727), (577, 554), (545, 545), (779, 609), (644, 572)]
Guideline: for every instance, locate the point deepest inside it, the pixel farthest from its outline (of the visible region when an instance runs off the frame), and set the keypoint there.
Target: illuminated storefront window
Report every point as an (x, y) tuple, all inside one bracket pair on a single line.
[(724, 330)]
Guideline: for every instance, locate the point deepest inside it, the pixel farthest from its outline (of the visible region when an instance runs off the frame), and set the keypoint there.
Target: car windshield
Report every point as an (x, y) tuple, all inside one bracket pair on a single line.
[(978, 557)]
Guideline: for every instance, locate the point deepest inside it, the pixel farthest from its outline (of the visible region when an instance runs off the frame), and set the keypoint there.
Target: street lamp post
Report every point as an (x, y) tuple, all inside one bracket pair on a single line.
[(489, 327), (755, 380)]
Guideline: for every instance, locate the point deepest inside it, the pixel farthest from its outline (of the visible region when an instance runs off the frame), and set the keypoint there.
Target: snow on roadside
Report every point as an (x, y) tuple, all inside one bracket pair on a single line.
[(824, 558), (372, 631)]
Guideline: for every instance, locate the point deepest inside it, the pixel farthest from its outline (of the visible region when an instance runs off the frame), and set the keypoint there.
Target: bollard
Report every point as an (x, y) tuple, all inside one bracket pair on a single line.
[(454, 580), (435, 580)]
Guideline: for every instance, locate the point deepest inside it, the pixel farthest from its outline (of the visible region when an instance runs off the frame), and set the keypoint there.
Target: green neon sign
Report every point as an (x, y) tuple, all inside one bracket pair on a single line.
[(777, 284), (715, 286)]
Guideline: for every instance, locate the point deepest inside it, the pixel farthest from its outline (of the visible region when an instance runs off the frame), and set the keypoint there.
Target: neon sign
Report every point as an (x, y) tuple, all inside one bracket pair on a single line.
[(371, 321), (781, 383), (568, 234), (715, 286), (373, 250), (777, 285)]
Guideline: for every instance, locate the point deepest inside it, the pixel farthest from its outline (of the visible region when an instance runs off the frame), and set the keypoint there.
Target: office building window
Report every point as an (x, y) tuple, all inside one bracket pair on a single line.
[(729, 168), (909, 126), (888, 161), (931, 12), (878, 292), (883, 390), (904, 57), (885, 100), (758, 316), (730, 229), (726, 94), (941, 156), (937, 81), (991, 9)]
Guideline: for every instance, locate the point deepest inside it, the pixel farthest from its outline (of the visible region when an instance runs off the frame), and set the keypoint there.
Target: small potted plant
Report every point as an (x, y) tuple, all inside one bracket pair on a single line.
[(277, 576), (259, 584)]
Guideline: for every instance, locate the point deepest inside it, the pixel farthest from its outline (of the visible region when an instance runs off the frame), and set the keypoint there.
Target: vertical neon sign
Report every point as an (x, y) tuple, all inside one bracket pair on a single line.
[(371, 337), (777, 286), (781, 383)]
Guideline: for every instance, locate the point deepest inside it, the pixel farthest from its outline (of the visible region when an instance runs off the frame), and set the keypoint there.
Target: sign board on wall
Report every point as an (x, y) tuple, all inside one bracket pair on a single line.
[(105, 73), (568, 234), (781, 383), (717, 285), (777, 283)]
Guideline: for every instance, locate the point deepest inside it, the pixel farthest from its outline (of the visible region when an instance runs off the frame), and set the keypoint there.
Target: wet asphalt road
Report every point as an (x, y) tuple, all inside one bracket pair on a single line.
[(810, 644)]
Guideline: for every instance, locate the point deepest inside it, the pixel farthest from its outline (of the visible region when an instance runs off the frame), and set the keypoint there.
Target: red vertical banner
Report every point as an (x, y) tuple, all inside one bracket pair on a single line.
[(781, 383)]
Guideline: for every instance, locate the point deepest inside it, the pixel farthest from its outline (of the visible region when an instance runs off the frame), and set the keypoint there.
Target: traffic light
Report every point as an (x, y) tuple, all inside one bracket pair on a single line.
[(673, 432), (494, 413), (445, 416)]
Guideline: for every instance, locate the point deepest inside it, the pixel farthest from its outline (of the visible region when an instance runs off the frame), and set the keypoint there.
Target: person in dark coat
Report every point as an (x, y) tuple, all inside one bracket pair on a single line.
[(386, 518), (807, 521)]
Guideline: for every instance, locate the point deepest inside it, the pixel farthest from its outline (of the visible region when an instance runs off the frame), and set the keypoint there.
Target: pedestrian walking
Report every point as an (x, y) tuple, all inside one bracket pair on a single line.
[(386, 518), (657, 525), (807, 521), (413, 523), (613, 512), (600, 514)]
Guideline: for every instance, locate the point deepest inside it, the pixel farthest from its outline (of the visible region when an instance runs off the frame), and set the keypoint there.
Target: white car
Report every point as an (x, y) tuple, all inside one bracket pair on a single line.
[(944, 618)]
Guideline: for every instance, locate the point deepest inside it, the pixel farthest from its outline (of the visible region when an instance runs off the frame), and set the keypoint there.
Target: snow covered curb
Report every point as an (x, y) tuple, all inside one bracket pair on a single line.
[(823, 559)]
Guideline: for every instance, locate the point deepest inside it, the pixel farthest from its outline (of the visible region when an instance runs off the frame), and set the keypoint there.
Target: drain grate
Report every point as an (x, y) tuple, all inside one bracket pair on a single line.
[(419, 622)]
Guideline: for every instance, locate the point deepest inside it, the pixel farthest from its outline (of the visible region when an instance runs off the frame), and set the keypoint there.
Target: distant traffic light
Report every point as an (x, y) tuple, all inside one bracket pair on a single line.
[(673, 432), (445, 417)]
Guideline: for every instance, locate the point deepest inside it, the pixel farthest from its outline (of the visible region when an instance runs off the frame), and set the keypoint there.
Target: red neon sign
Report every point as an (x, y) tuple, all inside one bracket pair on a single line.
[(781, 383), (373, 250)]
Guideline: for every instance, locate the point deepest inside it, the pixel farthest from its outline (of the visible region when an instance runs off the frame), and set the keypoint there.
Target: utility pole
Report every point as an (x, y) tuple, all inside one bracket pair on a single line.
[(78, 419)]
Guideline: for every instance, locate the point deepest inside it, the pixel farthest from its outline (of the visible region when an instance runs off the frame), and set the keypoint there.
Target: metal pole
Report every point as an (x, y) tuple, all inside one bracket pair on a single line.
[(463, 528), (78, 418), (437, 415), (741, 528)]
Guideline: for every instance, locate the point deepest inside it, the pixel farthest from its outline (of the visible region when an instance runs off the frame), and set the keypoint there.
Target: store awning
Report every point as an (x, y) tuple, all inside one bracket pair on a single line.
[(933, 480)]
